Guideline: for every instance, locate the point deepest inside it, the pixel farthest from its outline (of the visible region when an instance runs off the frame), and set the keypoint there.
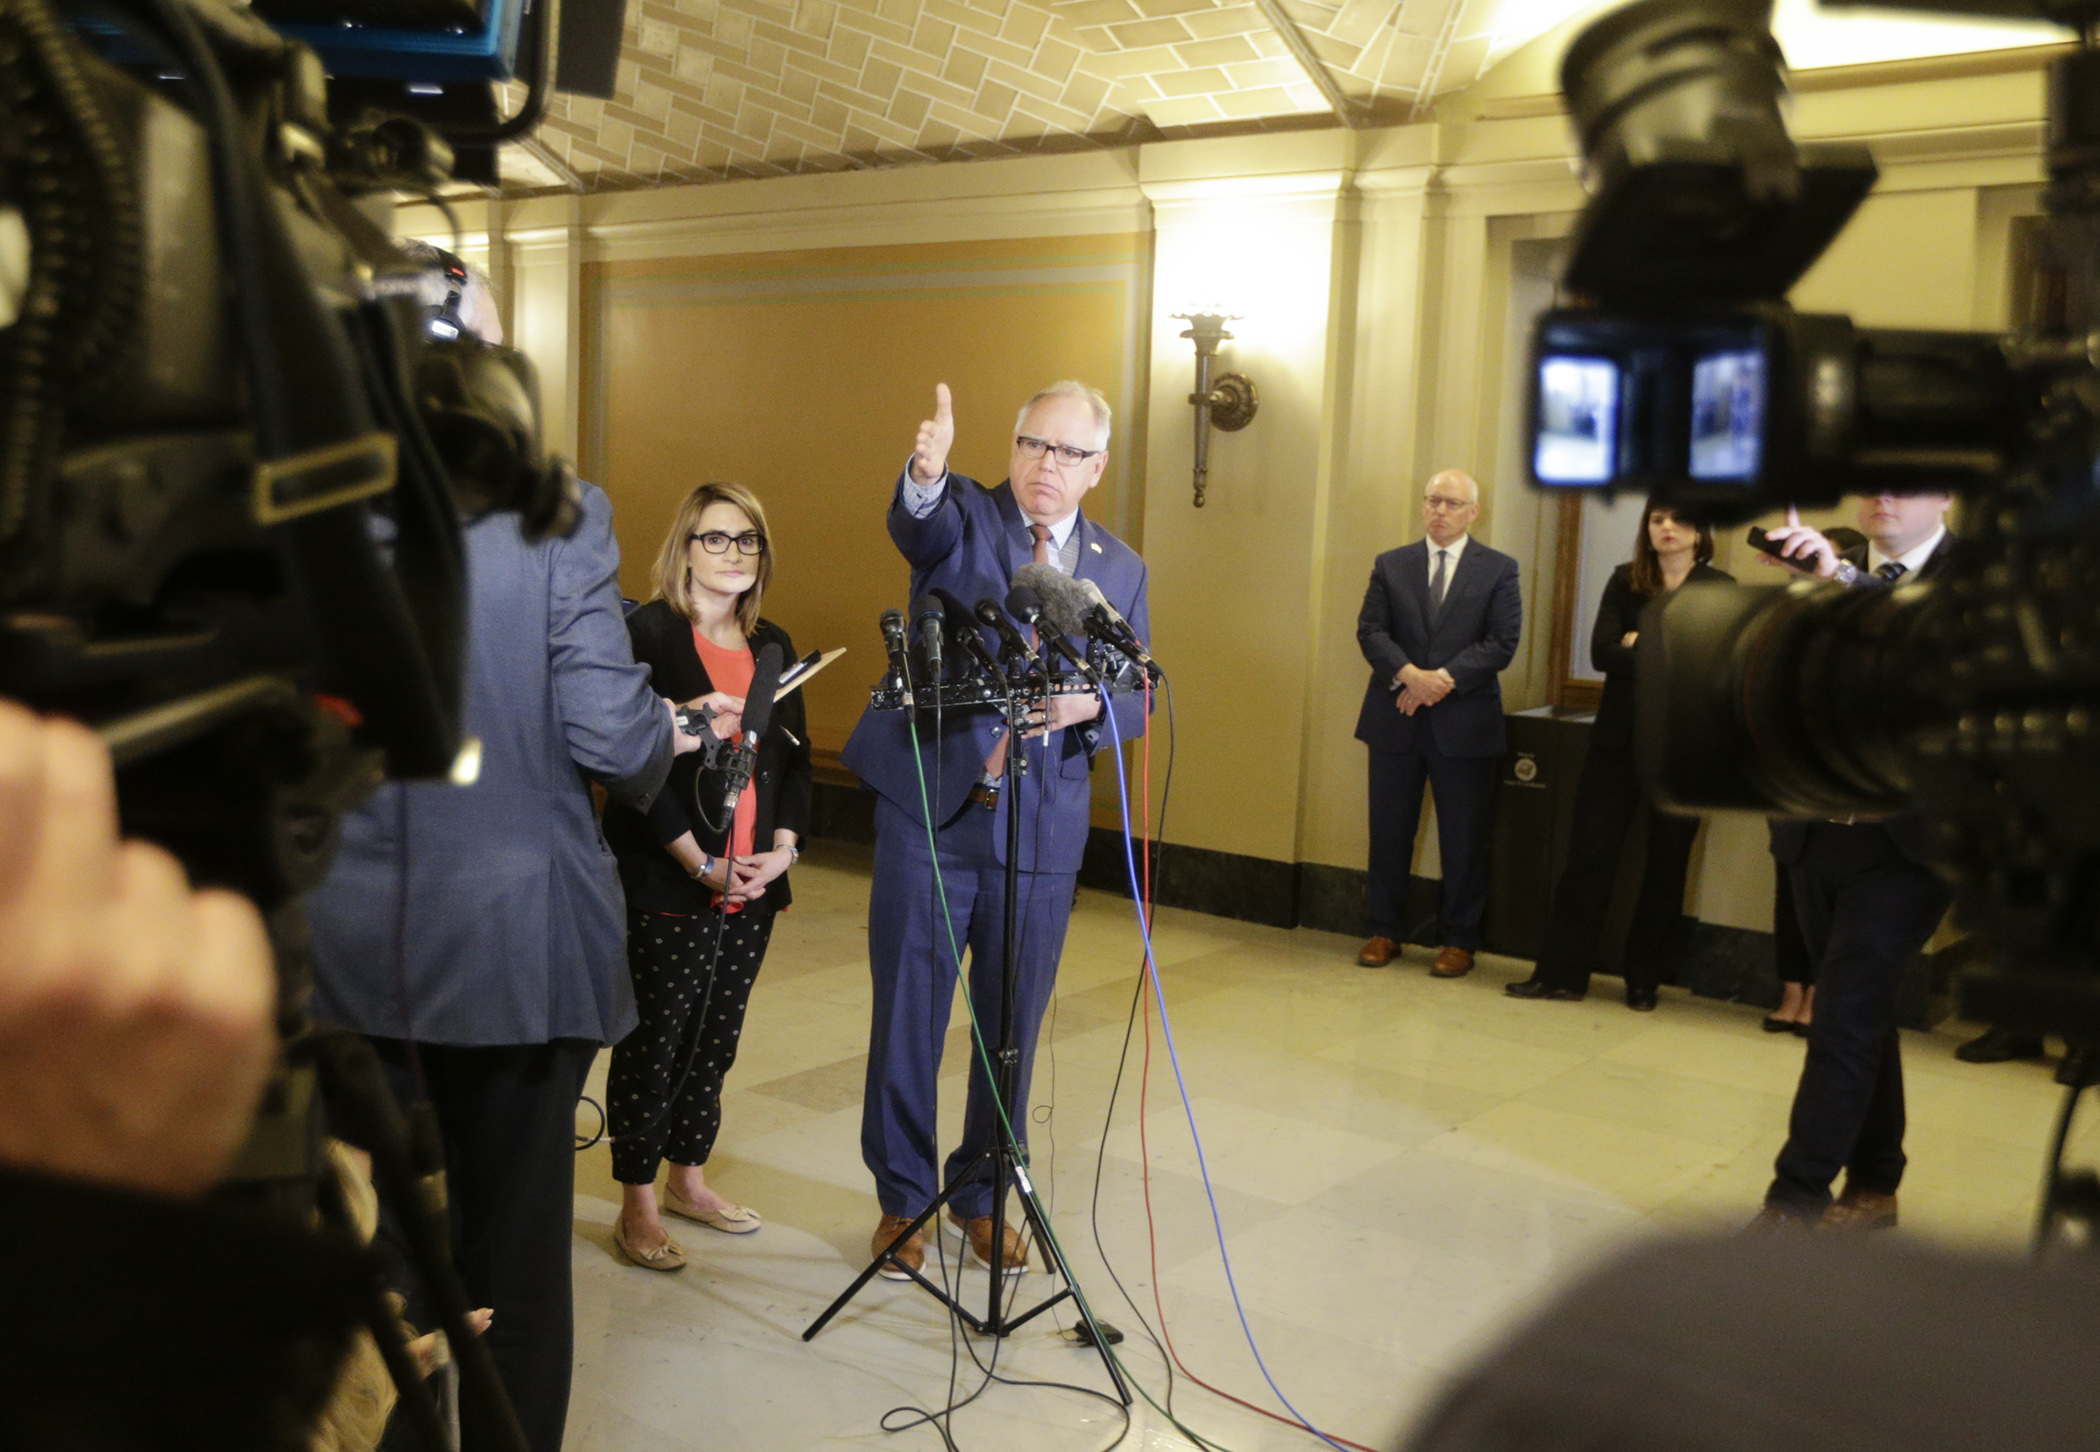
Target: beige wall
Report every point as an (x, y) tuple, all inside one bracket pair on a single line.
[(1376, 271)]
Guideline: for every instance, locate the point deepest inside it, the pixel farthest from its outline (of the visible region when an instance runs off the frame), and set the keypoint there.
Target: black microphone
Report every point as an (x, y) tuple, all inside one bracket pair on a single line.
[(758, 715), (963, 632), (1107, 625), (893, 642), (1016, 643), (1025, 604), (927, 618)]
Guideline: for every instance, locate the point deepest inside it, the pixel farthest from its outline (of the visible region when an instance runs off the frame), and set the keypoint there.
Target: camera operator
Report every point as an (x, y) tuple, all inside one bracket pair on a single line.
[(476, 933), (135, 1037), (1867, 903)]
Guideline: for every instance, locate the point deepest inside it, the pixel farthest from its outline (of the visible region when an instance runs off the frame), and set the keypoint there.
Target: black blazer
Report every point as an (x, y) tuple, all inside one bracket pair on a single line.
[(1619, 613), (663, 641), (1474, 637), (1910, 830)]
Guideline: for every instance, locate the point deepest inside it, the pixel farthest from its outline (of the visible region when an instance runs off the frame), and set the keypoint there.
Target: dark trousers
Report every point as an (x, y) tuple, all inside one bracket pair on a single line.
[(692, 982), (1607, 799), (1865, 911), (508, 1116), (1465, 814), (1789, 948), (911, 956)]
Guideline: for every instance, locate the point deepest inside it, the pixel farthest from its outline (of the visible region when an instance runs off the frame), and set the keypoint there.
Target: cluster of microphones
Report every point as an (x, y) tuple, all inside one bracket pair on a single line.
[(1046, 604)]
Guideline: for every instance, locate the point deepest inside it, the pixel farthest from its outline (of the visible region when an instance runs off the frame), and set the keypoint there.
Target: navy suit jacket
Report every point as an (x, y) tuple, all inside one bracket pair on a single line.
[(1473, 637), (971, 543), (1909, 830), (516, 930)]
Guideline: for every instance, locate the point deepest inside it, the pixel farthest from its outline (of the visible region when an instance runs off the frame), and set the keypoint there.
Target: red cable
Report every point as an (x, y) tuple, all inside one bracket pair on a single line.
[(1144, 1148)]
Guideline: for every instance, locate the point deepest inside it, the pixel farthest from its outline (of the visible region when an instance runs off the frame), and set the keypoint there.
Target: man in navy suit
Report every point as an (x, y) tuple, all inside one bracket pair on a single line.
[(1868, 902), (1440, 621), (943, 788)]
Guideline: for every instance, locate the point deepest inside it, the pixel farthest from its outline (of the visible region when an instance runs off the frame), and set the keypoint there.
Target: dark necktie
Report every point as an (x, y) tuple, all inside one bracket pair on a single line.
[(1892, 570), (1437, 583), (995, 762)]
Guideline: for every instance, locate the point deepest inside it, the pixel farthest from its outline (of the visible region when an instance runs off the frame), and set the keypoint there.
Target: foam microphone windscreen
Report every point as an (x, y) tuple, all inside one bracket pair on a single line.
[(1064, 599), (765, 680)]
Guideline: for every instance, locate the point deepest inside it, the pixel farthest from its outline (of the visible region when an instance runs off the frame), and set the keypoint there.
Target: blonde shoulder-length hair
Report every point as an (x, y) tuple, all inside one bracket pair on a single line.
[(674, 573)]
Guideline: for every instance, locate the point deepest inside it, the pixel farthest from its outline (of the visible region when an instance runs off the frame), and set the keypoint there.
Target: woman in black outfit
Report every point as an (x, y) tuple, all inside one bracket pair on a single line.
[(1669, 552), (701, 894)]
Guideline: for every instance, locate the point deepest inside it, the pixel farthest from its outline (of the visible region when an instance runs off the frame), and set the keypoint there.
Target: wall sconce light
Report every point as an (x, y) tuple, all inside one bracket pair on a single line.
[(1227, 401)]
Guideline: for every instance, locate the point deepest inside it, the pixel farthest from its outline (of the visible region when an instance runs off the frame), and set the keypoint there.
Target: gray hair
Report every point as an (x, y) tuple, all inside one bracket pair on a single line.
[(1072, 388)]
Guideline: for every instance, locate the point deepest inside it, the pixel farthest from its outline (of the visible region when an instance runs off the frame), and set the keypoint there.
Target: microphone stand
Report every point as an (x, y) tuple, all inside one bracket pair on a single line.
[(1004, 1163)]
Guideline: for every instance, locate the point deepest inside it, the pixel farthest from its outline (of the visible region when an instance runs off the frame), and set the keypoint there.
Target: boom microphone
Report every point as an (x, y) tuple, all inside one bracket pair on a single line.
[(1025, 604), (1106, 624), (1016, 643), (758, 715), (1064, 598), (927, 618), (963, 631)]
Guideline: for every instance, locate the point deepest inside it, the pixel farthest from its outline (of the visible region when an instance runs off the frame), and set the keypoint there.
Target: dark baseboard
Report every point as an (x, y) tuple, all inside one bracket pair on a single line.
[(1717, 961)]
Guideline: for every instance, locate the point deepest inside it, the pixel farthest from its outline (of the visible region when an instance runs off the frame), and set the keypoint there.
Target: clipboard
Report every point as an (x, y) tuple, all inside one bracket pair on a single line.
[(804, 668)]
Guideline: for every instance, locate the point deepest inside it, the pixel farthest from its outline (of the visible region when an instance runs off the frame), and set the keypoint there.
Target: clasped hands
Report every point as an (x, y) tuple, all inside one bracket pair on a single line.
[(1419, 688), (1059, 712)]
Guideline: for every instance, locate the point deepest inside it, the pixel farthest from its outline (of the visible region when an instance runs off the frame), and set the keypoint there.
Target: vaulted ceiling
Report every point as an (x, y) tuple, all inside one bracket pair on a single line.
[(712, 90)]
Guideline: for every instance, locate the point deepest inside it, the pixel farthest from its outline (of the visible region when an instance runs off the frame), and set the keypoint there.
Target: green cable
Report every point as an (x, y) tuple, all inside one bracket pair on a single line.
[(940, 889)]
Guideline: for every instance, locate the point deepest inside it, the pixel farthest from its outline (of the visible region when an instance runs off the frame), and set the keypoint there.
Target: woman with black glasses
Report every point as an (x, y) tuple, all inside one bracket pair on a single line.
[(701, 891)]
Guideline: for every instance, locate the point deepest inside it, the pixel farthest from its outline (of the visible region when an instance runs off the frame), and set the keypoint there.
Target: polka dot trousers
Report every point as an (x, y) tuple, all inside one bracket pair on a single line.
[(669, 956)]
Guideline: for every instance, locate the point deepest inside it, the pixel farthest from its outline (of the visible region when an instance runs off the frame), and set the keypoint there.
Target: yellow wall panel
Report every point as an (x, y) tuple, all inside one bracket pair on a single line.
[(805, 376)]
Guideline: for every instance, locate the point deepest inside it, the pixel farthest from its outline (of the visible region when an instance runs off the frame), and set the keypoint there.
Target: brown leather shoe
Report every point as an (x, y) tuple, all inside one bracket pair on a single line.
[(1377, 952), (1452, 962), (1784, 1221), (911, 1255), (1860, 1210), (978, 1229)]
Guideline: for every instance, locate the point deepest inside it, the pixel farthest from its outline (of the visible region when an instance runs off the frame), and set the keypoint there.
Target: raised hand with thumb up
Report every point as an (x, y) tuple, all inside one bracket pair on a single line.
[(929, 456)]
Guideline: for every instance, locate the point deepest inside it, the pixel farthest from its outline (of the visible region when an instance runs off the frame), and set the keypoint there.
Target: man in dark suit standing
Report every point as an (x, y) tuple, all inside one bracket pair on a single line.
[(1440, 621), (1867, 902), (956, 778)]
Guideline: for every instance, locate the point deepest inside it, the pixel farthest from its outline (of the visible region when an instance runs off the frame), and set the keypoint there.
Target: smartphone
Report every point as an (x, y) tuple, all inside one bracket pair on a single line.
[(1762, 543)]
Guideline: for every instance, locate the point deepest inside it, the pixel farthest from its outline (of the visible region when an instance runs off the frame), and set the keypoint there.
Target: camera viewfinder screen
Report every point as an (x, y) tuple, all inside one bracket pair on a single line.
[(1578, 421), (1728, 415)]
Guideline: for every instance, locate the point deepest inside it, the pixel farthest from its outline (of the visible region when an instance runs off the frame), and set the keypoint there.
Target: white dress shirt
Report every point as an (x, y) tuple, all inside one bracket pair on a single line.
[(1912, 560)]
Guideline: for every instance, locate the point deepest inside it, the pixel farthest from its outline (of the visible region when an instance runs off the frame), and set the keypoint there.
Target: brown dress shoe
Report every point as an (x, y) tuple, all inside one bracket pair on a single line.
[(978, 1229), (911, 1255), (1377, 952), (1452, 963), (1860, 1210), (1781, 1221)]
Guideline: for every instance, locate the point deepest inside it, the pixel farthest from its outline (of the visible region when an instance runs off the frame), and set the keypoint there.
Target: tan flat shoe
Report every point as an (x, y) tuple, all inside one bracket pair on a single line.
[(737, 1220), (665, 1257)]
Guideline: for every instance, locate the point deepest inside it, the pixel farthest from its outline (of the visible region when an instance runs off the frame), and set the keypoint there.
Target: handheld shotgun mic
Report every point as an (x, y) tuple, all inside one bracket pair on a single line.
[(758, 715)]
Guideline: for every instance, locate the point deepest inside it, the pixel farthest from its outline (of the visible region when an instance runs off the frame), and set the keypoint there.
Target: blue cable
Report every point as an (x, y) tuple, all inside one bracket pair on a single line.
[(1137, 902)]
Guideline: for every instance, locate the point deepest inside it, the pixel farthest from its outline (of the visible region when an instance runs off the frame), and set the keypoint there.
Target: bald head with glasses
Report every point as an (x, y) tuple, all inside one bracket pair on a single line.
[(1060, 448)]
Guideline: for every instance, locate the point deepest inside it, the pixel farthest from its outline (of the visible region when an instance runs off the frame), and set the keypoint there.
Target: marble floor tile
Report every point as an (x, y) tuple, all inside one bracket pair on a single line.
[(1400, 1168)]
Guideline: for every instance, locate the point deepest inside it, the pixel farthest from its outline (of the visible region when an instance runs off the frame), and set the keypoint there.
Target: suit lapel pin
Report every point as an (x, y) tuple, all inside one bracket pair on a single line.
[(1096, 545)]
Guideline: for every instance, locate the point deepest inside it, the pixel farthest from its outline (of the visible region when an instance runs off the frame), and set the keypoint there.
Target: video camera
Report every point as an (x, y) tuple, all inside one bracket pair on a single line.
[(240, 433), (1681, 372)]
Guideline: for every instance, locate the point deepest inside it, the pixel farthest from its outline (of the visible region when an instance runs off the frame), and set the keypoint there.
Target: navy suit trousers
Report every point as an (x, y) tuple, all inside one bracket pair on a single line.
[(912, 958), (1465, 814), (1865, 911)]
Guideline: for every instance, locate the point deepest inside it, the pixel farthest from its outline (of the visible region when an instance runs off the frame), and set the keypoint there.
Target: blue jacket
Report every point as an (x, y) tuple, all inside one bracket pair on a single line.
[(1473, 637), (516, 930), (971, 544)]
